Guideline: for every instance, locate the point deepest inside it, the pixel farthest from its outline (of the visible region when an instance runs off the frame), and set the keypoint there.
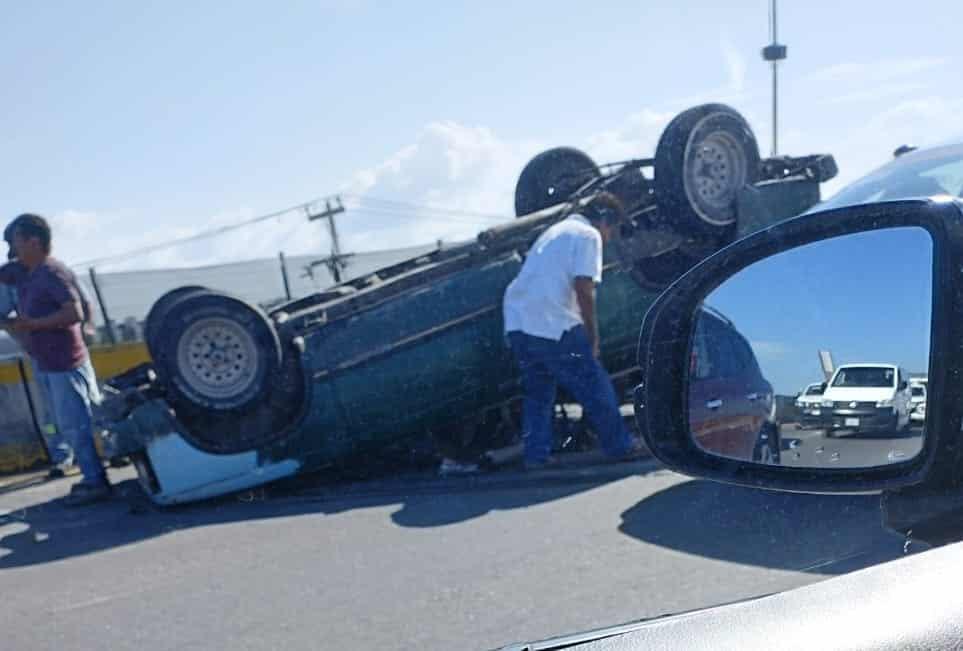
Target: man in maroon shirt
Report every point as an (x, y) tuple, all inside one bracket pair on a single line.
[(49, 323), (60, 452)]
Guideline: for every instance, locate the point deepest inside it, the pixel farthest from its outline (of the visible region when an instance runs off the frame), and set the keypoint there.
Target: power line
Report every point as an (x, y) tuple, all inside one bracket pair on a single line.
[(424, 207), (432, 217), (367, 204), (196, 236)]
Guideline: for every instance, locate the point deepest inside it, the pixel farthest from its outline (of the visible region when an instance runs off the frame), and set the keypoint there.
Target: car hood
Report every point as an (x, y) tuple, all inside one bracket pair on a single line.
[(860, 394)]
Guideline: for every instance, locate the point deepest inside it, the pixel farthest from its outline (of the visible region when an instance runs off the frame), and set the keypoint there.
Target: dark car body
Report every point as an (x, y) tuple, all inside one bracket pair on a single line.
[(730, 402)]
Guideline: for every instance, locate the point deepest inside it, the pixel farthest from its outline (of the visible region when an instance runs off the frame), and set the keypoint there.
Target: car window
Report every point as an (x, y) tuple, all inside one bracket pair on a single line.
[(814, 390), (864, 377), (724, 349), (921, 173)]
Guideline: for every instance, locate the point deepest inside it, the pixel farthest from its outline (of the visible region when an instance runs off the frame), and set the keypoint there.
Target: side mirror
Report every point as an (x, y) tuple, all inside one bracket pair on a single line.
[(822, 387), (758, 310), (903, 384)]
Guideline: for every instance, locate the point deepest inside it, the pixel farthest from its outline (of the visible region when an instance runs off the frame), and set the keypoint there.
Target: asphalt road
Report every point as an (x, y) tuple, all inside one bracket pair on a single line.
[(812, 448), (417, 563)]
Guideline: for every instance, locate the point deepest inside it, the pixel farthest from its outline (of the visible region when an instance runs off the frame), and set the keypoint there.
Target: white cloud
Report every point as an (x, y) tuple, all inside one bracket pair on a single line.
[(635, 137), (875, 93), (735, 67), (875, 71), (461, 170)]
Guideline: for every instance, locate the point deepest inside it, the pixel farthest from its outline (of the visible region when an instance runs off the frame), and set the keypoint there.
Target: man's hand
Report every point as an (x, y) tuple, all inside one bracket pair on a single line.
[(20, 325), (585, 295)]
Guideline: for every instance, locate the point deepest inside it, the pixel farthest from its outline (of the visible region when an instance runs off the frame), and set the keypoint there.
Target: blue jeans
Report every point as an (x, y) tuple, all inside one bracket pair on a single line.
[(543, 364), (70, 395)]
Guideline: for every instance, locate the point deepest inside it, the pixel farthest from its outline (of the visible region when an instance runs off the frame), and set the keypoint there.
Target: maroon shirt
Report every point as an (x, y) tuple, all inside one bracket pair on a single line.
[(40, 293)]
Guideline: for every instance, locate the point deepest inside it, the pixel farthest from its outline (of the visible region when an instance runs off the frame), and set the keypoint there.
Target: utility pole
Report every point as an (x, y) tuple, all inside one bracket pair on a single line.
[(774, 53), (108, 324), (335, 262)]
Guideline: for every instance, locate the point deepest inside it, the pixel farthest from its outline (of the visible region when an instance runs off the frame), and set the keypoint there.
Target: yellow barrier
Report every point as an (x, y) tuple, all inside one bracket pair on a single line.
[(19, 447), (108, 361)]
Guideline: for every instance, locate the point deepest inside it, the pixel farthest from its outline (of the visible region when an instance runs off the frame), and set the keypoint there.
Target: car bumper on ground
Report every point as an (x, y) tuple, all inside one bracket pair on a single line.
[(171, 470)]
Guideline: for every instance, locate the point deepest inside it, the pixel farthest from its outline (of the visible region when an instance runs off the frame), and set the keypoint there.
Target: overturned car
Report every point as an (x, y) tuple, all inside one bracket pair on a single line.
[(237, 396)]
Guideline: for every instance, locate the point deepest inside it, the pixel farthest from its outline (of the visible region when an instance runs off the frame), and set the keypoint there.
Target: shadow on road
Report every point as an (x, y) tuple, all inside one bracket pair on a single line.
[(44, 530), (825, 534)]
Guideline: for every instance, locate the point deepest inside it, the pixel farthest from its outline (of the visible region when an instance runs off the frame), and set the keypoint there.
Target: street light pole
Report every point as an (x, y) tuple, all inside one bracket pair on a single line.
[(774, 53)]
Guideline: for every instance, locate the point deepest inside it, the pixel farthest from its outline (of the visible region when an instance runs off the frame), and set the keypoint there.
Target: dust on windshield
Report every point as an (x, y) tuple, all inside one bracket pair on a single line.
[(922, 173)]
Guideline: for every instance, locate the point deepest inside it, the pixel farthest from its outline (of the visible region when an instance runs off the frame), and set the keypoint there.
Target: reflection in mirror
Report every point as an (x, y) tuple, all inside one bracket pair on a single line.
[(817, 356)]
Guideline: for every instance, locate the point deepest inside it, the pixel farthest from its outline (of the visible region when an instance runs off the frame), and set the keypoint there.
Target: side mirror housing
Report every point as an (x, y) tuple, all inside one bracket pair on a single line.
[(676, 408)]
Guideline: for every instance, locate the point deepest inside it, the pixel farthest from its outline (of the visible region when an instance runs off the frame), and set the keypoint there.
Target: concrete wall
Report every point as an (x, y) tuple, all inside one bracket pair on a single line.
[(20, 446)]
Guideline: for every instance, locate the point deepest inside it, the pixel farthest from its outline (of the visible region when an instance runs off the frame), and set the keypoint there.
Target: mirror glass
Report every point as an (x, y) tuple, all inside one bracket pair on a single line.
[(817, 356)]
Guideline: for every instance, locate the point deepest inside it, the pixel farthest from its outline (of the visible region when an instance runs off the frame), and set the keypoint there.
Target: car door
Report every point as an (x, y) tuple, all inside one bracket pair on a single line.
[(747, 393), (707, 397), (717, 395)]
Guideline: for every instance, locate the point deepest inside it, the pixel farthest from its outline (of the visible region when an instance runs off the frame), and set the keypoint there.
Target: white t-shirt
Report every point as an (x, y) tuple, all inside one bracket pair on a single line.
[(541, 300)]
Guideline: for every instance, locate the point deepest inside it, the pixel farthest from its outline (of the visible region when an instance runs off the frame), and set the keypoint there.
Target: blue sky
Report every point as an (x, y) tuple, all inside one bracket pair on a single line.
[(132, 123), (866, 298)]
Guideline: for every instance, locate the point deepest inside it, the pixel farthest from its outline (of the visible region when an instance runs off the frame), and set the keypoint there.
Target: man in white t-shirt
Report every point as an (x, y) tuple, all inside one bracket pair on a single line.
[(551, 326)]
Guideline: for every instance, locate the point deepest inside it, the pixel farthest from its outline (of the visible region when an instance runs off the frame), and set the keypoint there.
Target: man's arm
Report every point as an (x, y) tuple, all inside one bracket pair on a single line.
[(585, 295), (68, 314)]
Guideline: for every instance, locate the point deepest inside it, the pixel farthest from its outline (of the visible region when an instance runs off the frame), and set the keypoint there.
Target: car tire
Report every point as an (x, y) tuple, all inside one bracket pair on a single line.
[(158, 311), (551, 178), (704, 157), (215, 351)]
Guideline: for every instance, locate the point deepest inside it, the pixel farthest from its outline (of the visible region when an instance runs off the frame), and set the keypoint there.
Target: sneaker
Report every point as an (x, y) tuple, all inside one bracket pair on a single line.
[(87, 493)]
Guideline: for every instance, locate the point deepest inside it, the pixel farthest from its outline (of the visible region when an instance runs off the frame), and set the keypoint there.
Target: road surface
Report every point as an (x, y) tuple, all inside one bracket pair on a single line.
[(412, 563), (812, 448)]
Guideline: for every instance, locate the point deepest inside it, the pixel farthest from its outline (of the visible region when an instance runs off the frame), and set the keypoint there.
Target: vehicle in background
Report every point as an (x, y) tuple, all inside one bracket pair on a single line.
[(731, 404), (917, 402), (867, 397), (809, 403)]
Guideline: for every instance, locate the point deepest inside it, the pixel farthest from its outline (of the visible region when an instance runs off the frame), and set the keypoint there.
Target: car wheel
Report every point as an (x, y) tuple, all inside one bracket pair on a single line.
[(551, 177), (215, 351), (767, 449), (158, 311), (704, 157), (264, 422)]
